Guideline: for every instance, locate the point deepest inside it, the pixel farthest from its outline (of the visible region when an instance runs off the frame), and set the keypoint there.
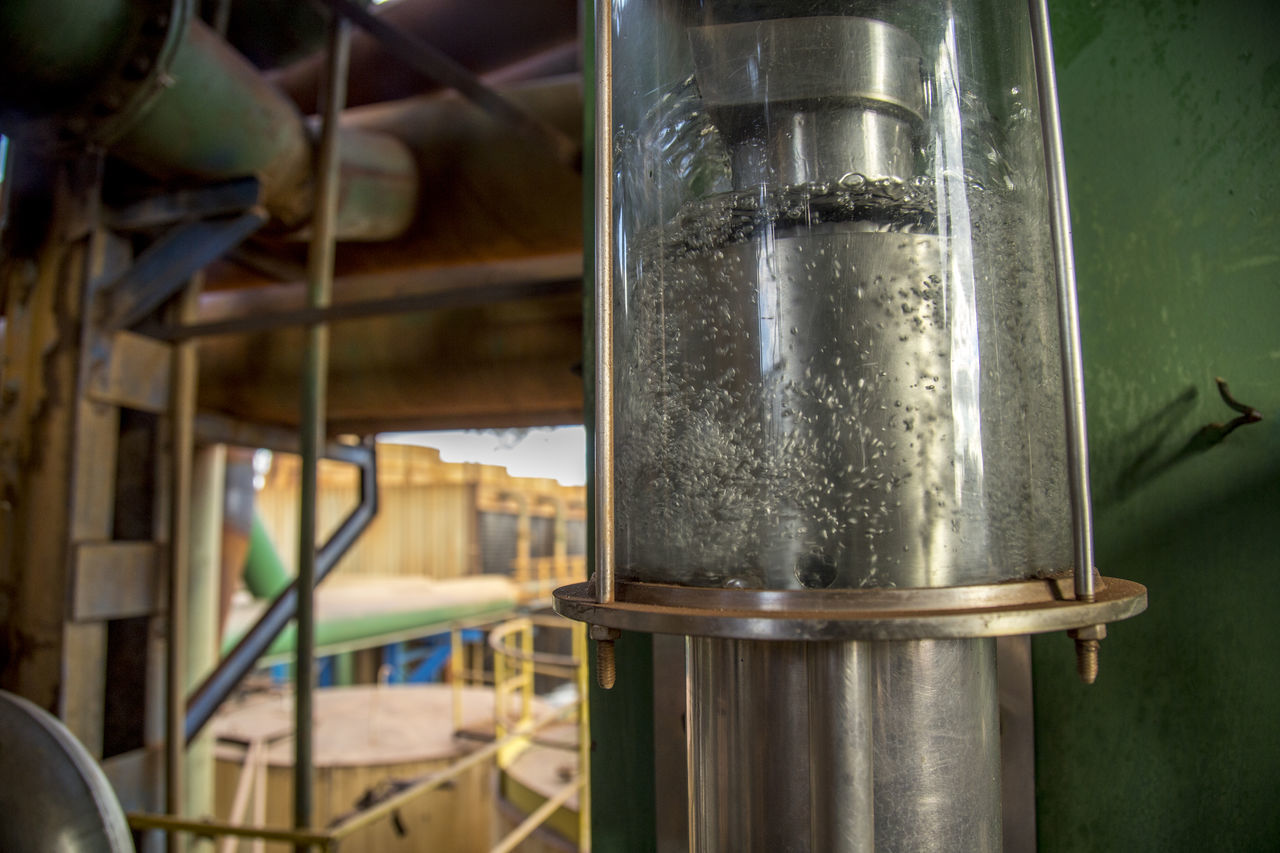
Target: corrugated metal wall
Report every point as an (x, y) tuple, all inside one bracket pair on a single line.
[(435, 518)]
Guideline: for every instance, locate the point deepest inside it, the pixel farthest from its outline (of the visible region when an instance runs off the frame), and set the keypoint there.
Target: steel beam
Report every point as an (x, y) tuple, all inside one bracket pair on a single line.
[(168, 263), (438, 67)]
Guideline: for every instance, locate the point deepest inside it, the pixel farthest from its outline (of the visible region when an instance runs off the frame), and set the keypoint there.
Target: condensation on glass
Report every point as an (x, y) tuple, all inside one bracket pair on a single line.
[(836, 326)]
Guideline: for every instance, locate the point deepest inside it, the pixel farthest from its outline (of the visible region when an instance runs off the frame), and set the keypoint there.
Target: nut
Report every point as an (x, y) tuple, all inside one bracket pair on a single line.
[(1088, 632), (602, 632)]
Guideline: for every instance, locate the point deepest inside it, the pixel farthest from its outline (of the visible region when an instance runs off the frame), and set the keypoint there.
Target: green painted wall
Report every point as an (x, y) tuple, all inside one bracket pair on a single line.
[(1171, 112)]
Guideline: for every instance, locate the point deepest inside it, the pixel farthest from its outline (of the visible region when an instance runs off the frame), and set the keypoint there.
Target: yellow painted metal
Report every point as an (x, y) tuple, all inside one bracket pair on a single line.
[(426, 510), (515, 666), (214, 828), (539, 817), (512, 681), (456, 673)]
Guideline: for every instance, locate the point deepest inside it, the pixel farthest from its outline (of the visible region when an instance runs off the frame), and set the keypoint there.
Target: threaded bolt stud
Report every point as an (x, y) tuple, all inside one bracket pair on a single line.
[(1087, 660), (606, 664)]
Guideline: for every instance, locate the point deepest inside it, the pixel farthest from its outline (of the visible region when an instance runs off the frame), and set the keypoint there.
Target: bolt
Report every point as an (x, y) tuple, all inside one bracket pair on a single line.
[(1087, 660), (1087, 640), (606, 664)]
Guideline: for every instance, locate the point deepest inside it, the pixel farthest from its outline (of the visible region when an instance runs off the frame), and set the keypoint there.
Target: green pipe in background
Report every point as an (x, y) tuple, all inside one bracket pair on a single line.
[(264, 573), (265, 576), (375, 629)]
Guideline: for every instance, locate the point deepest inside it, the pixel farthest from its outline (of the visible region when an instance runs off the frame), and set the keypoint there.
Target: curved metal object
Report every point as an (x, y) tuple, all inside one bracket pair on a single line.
[(989, 610), (827, 96), (808, 59), (53, 795)]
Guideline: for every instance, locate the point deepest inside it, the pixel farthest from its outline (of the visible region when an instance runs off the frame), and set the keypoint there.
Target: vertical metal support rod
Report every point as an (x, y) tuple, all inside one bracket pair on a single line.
[(605, 538), (182, 419), (1068, 310), (319, 288), (583, 665)]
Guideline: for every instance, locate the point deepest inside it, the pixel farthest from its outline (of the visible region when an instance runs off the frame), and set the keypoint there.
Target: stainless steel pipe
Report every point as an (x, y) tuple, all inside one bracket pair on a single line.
[(762, 765), (937, 746), (846, 747)]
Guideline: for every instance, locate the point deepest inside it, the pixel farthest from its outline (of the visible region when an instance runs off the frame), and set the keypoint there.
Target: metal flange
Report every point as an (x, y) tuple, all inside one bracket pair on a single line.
[(991, 610)]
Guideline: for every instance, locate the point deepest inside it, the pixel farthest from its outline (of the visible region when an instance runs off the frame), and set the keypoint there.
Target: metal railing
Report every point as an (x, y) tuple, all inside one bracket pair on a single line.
[(516, 722), (515, 665)]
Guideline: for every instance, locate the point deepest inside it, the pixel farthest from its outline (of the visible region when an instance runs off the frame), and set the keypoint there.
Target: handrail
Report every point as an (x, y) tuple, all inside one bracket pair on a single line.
[(540, 816), (328, 839), (398, 800), (509, 743)]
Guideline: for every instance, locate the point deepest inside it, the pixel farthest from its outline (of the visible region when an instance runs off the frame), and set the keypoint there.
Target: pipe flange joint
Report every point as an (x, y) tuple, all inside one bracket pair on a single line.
[(141, 75), (1012, 608)]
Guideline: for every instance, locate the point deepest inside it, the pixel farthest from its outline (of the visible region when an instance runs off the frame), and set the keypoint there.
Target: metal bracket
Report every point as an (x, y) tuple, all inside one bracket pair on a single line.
[(168, 263), (185, 205)]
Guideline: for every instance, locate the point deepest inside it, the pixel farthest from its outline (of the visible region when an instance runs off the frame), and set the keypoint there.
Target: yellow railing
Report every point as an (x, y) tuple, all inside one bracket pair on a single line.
[(515, 665)]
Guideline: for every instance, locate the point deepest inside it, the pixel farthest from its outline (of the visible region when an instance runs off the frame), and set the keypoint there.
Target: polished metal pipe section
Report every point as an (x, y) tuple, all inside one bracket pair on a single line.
[(891, 747), (752, 776), (937, 746), (604, 267), (840, 747), (835, 96), (312, 420), (1068, 302)]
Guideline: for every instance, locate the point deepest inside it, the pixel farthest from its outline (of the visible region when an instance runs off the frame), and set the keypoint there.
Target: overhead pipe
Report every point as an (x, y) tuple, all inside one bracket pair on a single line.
[(166, 94), (493, 197), (265, 575)]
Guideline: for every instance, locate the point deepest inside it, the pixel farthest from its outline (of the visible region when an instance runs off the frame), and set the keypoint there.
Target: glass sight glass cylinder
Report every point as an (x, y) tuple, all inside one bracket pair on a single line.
[(836, 328)]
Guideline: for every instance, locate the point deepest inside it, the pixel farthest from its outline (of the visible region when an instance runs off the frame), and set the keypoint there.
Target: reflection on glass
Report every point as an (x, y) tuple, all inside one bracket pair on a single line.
[(837, 339)]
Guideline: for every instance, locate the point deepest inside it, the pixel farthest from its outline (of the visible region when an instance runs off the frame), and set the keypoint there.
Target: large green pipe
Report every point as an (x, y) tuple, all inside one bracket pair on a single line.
[(51, 52), (265, 576), (374, 629), (264, 573), (219, 119), (171, 98)]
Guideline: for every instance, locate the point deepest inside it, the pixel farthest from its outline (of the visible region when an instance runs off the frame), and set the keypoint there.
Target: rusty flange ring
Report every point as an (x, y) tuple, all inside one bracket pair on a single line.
[(990, 610)]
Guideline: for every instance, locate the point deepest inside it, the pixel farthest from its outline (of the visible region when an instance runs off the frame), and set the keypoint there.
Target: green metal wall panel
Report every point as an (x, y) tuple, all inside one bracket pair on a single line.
[(1171, 112)]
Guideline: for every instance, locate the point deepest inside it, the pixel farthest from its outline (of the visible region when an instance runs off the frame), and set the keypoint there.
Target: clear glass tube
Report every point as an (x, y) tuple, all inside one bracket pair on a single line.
[(836, 330)]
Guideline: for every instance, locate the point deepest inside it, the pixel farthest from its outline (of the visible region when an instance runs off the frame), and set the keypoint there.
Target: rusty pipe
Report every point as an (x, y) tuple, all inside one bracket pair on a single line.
[(167, 95)]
